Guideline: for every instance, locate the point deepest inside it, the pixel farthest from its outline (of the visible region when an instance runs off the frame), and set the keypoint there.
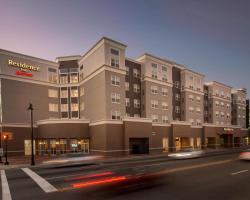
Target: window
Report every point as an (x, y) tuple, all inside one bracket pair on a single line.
[(127, 70), (115, 80), (217, 92), (74, 92), (154, 71), (116, 115), (115, 98), (198, 99), (164, 105), (198, 122), (164, 91), (136, 73), (136, 103), (154, 104), (164, 73), (53, 107), (82, 106), (199, 84), (127, 86), (154, 89), (191, 109), (52, 74), (228, 115), (177, 84), (136, 88), (64, 71), (206, 113), (74, 107), (177, 109), (154, 118), (114, 57), (114, 52), (217, 113), (63, 78), (222, 114), (164, 119), (191, 82), (228, 105), (198, 110), (74, 78), (64, 108), (177, 97), (82, 91), (53, 93), (191, 97), (64, 92), (127, 102), (217, 103), (191, 121), (222, 94), (115, 62)]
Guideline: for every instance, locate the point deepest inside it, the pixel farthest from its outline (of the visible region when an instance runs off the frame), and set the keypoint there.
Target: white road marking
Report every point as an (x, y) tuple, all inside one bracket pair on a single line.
[(45, 185), (5, 187), (239, 172)]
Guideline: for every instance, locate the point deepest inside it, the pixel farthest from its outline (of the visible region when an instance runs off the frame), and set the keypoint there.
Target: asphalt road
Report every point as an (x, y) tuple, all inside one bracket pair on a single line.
[(216, 177)]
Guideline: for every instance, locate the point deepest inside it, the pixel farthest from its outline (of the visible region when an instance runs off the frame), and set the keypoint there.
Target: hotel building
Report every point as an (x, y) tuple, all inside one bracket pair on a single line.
[(103, 102)]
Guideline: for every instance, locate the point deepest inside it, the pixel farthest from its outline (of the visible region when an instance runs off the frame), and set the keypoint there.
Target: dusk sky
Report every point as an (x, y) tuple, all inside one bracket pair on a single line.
[(208, 36)]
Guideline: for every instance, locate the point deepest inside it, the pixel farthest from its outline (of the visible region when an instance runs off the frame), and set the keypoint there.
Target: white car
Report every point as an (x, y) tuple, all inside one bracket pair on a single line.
[(245, 155), (184, 154)]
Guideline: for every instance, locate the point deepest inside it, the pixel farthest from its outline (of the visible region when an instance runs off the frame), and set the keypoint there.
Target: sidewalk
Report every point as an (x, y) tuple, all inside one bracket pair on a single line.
[(24, 161)]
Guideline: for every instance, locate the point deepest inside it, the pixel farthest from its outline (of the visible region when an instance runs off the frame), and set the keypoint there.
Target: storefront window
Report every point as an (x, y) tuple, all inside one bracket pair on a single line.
[(43, 147)]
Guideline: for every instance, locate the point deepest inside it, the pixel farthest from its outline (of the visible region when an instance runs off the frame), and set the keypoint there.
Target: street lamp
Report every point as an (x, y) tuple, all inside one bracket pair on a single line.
[(32, 134), (6, 137)]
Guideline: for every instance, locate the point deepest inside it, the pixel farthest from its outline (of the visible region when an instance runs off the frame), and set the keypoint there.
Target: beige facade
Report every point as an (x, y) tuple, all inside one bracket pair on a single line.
[(219, 100), (239, 107), (192, 97), (83, 103)]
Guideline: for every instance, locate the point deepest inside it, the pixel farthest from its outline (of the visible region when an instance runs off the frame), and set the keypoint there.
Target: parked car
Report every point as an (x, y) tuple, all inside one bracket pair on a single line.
[(245, 155), (187, 153)]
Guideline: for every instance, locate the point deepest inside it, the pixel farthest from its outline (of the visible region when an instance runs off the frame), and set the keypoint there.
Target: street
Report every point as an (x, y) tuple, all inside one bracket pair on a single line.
[(214, 177)]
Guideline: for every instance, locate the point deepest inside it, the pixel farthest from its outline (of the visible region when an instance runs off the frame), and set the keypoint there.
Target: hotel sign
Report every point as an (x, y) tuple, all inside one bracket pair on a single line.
[(23, 68)]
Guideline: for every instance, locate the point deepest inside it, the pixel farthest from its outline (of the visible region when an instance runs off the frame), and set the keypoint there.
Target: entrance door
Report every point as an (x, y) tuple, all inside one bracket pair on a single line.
[(165, 143), (83, 145), (226, 140), (198, 142), (178, 143), (139, 145)]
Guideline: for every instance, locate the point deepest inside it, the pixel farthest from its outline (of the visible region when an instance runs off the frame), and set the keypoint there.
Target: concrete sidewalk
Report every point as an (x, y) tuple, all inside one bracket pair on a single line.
[(24, 161)]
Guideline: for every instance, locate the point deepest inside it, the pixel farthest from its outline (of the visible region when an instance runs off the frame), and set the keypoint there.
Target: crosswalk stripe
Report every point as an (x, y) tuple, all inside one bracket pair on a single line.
[(45, 185), (5, 187)]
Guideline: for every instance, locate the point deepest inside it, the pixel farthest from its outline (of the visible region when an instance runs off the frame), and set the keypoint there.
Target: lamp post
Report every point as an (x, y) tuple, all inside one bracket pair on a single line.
[(6, 137), (32, 134)]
